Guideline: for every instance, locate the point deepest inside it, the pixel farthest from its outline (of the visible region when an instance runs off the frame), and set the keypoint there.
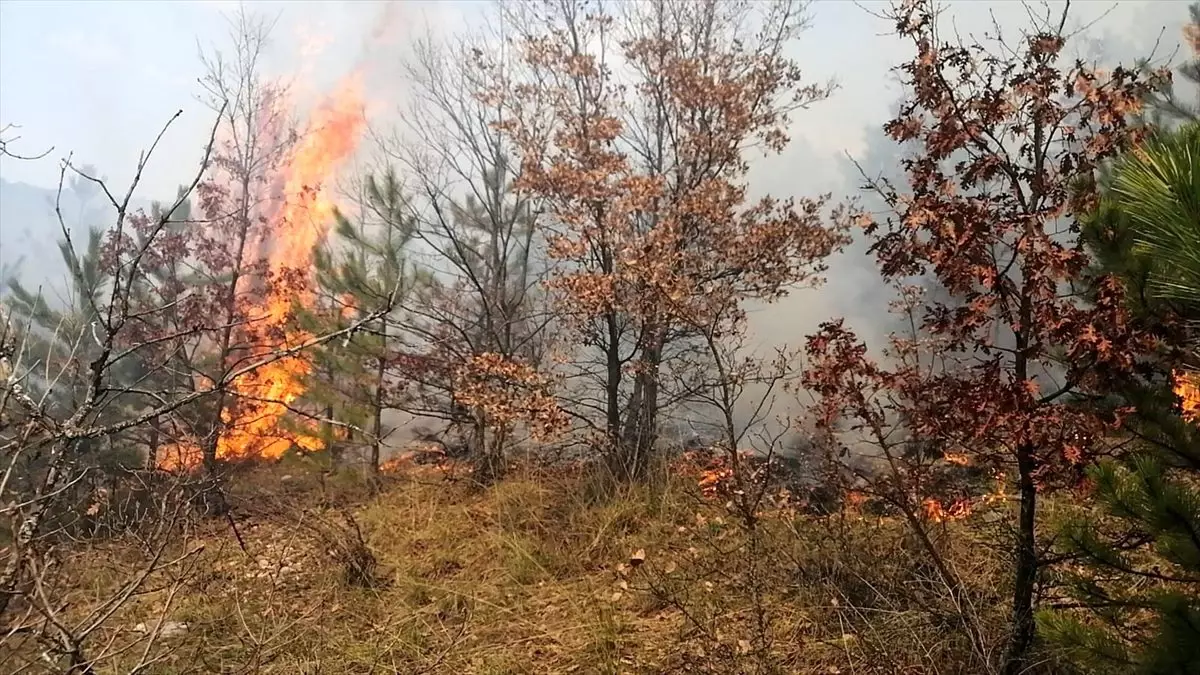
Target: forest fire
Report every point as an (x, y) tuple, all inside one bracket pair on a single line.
[(254, 424), (935, 511), (1187, 388), (307, 211)]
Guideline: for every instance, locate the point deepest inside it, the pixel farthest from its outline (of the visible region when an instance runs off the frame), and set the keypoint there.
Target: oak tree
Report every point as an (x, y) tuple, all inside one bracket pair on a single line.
[(1000, 137), (635, 128)]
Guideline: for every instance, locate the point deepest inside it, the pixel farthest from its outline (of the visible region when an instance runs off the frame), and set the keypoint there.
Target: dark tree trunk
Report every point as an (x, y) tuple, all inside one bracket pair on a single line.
[(612, 386), (641, 424), (1026, 568), (377, 425), (492, 463), (1025, 574), (329, 434), (376, 440), (152, 447)]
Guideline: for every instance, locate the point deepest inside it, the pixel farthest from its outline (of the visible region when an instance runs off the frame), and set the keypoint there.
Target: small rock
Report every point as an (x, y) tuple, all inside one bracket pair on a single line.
[(169, 629)]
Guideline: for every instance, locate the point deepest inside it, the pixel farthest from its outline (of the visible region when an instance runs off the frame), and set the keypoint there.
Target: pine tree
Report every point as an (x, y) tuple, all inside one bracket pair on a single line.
[(59, 339), (1141, 584), (1171, 106), (59, 343), (494, 249), (360, 270)]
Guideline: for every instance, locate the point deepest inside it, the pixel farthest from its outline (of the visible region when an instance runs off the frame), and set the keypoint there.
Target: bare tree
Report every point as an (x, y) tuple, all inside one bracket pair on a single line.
[(45, 447), (486, 257)]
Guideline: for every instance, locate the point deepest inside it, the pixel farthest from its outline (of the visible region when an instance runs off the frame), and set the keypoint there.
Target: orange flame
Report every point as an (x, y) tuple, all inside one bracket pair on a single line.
[(712, 479), (178, 456), (936, 512), (855, 499), (957, 458), (306, 213), (1187, 388)]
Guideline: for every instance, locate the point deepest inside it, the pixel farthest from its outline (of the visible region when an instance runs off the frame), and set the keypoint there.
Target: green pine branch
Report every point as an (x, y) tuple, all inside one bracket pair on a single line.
[(1138, 594)]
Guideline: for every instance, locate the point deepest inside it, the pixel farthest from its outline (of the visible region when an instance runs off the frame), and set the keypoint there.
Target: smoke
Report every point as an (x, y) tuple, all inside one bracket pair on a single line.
[(118, 72), (840, 143), (837, 137)]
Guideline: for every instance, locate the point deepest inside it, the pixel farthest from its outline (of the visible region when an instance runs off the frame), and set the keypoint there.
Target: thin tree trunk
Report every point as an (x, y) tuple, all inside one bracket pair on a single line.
[(380, 374), (1025, 574), (641, 425), (152, 449), (377, 423), (328, 434), (1026, 568), (612, 386)]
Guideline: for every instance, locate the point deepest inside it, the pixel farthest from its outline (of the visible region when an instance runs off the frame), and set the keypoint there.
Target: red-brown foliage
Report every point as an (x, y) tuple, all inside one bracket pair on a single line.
[(1004, 147)]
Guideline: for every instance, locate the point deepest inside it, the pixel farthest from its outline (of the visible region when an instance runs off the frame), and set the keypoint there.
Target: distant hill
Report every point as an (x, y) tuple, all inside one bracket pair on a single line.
[(30, 231)]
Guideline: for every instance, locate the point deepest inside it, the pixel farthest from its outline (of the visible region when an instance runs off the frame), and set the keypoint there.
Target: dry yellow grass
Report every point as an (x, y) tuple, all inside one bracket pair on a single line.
[(534, 575)]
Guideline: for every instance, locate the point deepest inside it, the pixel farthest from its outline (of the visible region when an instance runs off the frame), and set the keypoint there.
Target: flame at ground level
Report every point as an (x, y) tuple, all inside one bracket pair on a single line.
[(1187, 388), (254, 430)]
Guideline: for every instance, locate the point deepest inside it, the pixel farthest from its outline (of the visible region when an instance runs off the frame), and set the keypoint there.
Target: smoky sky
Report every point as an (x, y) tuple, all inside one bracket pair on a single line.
[(99, 79)]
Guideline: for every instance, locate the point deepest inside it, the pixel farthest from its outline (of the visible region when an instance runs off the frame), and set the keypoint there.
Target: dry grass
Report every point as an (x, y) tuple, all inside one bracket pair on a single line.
[(535, 575)]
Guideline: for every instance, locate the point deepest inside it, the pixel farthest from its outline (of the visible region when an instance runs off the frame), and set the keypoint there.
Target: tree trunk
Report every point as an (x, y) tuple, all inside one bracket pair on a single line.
[(1021, 623), (1026, 568), (380, 374), (152, 447), (612, 387), (328, 434), (377, 431), (641, 424), (492, 465)]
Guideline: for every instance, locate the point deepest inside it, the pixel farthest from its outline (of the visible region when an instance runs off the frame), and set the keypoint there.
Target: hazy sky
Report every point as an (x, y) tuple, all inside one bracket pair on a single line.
[(100, 78)]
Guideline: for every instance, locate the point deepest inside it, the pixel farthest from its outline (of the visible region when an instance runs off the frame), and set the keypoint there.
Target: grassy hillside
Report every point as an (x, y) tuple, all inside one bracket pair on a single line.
[(545, 573)]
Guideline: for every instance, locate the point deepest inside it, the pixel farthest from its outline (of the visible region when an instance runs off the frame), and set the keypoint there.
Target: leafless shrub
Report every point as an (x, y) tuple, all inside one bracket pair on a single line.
[(342, 540)]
